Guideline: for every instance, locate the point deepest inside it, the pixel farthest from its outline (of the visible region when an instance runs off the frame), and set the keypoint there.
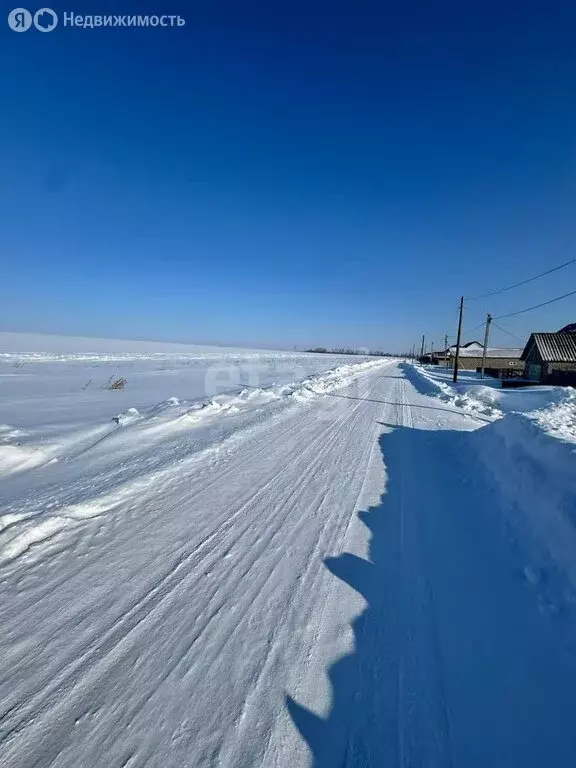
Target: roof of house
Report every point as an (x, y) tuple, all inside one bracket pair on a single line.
[(492, 352), (553, 347), (502, 352), (469, 345)]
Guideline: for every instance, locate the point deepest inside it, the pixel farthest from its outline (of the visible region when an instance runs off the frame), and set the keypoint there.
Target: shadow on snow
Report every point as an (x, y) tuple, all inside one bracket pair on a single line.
[(459, 658)]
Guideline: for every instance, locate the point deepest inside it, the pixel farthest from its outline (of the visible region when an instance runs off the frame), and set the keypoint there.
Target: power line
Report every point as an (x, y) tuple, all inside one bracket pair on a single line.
[(536, 306), (452, 337), (469, 331), (508, 332), (523, 282)]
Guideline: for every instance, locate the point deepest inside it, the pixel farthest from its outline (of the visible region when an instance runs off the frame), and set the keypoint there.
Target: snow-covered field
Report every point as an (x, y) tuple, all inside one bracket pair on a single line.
[(57, 404), (248, 558)]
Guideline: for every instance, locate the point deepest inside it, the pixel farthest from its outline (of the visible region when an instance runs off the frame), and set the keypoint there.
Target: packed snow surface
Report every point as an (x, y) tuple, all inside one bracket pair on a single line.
[(279, 560)]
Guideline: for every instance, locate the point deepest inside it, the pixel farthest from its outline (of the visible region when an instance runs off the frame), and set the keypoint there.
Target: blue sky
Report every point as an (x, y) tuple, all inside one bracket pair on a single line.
[(289, 173)]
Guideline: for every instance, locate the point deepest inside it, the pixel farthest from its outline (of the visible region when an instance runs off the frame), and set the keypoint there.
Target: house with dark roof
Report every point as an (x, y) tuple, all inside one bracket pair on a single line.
[(550, 358), (471, 345)]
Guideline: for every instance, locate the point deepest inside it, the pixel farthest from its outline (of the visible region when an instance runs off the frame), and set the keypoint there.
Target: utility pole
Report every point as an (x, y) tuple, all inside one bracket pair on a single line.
[(446, 351), (458, 339), (431, 353), (422, 349), (486, 339)]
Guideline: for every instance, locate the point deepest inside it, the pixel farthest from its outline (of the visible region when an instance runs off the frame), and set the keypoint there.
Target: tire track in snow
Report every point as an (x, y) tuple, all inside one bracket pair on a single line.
[(252, 598), (192, 491), (331, 542), (341, 533), (144, 486), (226, 524), (141, 609), (261, 591), (70, 515)]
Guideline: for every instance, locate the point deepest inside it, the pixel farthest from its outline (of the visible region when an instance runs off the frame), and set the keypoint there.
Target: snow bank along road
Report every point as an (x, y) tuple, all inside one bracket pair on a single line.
[(348, 580)]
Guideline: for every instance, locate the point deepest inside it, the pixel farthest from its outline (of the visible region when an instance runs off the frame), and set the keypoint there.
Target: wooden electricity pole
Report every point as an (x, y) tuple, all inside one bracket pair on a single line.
[(446, 351), (458, 339), (422, 348), (486, 340)]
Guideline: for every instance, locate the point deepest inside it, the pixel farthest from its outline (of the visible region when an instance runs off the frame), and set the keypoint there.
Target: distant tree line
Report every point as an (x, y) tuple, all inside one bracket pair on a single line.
[(347, 351)]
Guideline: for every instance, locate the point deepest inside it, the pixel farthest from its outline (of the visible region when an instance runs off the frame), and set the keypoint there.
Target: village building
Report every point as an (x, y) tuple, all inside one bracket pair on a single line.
[(499, 362), (550, 358)]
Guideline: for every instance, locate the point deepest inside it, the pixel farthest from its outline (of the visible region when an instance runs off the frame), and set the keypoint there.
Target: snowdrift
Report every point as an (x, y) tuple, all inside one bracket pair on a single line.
[(136, 450), (52, 412), (529, 450), (535, 474), (552, 409)]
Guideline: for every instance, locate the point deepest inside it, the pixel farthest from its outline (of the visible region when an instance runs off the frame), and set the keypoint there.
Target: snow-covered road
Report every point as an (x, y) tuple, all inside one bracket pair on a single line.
[(341, 582)]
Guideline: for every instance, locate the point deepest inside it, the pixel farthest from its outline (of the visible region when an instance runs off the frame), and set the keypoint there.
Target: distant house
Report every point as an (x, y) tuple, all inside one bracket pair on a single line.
[(550, 358), (471, 345), (500, 362), (442, 355)]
